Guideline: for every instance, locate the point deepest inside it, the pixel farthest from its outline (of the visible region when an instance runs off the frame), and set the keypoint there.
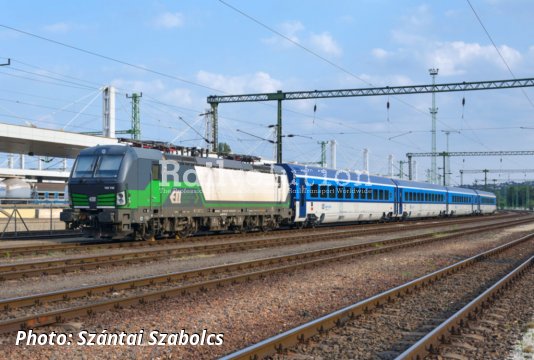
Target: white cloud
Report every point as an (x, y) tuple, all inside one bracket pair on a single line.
[(289, 29), (295, 31), (326, 44), (179, 97), (452, 58), (257, 82), (380, 53), (60, 27), (169, 20)]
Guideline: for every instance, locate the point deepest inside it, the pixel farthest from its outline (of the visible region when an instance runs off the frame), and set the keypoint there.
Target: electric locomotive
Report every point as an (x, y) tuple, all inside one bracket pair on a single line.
[(119, 191)]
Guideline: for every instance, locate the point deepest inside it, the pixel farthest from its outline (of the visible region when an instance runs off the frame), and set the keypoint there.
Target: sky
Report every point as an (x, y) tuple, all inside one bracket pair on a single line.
[(179, 52)]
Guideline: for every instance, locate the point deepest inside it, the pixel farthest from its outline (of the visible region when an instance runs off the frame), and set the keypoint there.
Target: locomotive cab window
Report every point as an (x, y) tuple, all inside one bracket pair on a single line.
[(84, 166), (108, 166)]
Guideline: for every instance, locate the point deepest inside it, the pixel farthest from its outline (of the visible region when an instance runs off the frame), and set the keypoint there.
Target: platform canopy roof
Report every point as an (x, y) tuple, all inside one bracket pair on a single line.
[(46, 142)]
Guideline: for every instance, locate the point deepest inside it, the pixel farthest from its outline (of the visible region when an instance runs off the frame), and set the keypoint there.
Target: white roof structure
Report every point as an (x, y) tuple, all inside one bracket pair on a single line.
[(46, 142)]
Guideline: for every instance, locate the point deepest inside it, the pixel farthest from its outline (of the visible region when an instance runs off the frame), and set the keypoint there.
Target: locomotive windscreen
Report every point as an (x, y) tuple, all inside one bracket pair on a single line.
[(103, 166)]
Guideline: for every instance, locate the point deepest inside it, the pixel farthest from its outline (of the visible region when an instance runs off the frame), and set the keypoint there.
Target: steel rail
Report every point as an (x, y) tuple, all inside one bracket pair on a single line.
[(46, 318), (441, 333), (98, 245), (299, 334), (49, 267)]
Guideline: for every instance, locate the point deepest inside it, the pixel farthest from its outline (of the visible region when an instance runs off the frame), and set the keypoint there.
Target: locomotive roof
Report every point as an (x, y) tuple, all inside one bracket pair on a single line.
[(154, 154), (121, 150)]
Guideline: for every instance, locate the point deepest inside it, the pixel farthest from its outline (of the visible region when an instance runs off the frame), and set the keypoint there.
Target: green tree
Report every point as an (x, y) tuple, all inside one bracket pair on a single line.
[(224, 148)]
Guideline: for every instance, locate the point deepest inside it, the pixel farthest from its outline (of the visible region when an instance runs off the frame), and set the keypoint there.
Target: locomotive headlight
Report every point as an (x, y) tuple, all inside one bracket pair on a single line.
[(121, 198)]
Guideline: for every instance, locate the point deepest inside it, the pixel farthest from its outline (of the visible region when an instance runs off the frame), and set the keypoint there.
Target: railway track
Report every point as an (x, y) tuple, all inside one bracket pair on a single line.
[(60, 306), (49, 267), (409, 321), (10, 252)]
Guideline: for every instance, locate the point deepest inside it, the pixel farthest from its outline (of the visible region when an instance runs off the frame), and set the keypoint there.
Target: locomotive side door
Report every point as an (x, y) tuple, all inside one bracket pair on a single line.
[(302, 196), (155, 190)]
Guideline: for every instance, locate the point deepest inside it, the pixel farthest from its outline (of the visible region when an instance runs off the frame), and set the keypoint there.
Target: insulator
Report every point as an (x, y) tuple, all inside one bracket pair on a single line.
[(463, 101)]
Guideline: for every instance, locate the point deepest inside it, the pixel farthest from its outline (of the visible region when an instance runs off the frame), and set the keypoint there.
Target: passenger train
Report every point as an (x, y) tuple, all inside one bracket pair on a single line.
[(120, 191)]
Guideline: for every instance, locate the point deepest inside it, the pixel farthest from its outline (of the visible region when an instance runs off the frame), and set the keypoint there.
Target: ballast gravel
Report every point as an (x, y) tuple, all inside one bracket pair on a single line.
[(249, 312)]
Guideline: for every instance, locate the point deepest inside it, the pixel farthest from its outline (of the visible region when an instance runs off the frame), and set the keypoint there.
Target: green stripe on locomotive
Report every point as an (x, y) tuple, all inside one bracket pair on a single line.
[(157, 194)]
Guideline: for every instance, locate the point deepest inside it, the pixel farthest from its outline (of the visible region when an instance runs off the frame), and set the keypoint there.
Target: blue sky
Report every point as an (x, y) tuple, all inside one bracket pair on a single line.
[(217, 50)]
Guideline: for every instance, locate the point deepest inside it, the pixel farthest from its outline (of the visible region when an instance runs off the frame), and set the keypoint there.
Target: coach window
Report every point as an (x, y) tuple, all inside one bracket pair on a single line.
[(331, 191), (339, 192), (380, 194), (369, 194), (314, 191), (348, 192), (356, 193), (375, 194), (323, 191), (386, 193)]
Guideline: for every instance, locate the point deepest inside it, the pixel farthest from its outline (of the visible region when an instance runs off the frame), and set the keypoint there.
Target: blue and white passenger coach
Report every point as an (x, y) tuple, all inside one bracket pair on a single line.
[(320, 195)]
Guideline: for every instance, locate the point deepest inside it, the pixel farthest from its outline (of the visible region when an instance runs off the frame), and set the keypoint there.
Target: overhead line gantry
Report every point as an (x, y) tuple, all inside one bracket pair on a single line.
[(279, 96), (446, 154), (492, 171)]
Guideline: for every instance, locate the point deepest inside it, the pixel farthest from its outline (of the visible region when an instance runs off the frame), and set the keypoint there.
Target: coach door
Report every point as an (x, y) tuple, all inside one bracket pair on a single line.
[(400, 202), (302, 193)]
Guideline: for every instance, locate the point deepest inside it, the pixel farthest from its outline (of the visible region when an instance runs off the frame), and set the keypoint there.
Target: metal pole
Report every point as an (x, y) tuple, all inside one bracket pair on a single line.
[(323, 153), (444, 169), (214, 127), (279, 134), (433, 112), (136, 119), (410, 168), (461, 178)]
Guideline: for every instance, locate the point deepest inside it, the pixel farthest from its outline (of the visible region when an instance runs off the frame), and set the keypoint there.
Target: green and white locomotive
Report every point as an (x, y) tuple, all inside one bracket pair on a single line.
[(119, 191)]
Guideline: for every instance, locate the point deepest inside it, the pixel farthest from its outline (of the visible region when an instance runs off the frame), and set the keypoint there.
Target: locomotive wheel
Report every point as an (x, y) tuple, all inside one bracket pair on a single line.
[(149, 237)]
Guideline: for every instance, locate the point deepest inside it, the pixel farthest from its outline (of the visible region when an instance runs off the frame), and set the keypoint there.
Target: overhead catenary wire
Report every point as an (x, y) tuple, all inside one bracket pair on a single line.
[(497, 49), (109, 58)]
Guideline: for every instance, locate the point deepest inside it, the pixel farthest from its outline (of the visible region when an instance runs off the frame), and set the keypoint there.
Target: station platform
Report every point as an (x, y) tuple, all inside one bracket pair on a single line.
[(15, 218)]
